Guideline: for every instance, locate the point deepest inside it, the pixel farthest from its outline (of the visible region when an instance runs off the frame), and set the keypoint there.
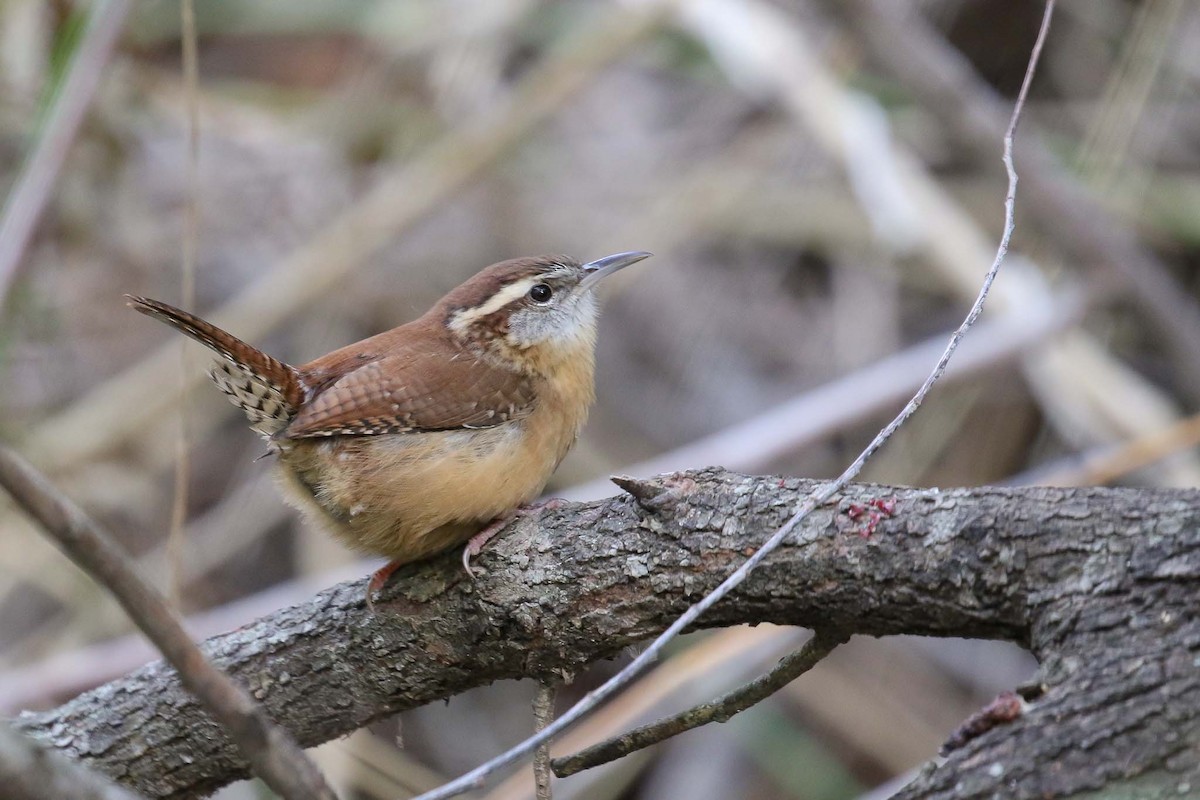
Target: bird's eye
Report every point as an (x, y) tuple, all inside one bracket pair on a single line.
[(541, 293)]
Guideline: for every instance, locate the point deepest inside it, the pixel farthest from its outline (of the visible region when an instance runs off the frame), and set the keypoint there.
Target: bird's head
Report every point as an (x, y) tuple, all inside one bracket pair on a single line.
[(535, 311)]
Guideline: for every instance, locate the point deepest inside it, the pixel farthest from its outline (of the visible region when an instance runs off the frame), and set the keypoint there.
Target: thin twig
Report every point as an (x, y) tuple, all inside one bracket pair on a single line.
[(723, 656), (722, 709), (68, 108), (272, 753), (543, 715), (191, 235), (30, 772), (477, 776)]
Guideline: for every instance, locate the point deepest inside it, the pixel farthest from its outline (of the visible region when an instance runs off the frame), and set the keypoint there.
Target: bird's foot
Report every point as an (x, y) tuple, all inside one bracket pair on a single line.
[(475, 544), (378, 578)]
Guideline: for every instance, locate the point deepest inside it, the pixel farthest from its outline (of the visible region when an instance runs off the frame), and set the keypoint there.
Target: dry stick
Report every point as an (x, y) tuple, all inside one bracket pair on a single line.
[(543, 714), (476, 777), (32, 191), (1103, 465), (272, 753), (722, 709), (191, 235), (31, 772)]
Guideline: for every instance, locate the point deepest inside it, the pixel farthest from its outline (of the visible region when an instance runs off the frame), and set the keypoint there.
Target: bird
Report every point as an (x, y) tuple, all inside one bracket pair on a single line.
[(435, 433)]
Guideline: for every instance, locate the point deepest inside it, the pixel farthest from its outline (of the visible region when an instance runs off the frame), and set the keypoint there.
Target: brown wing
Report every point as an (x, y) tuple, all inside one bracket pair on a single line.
[(414, 391)]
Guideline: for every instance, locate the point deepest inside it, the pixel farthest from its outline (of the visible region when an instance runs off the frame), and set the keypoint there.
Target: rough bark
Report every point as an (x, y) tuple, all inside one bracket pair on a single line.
[(1101, 585), (29, 772)]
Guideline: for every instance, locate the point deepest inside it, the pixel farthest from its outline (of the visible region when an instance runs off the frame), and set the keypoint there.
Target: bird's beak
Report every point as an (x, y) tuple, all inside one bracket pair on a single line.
[(603, 267)]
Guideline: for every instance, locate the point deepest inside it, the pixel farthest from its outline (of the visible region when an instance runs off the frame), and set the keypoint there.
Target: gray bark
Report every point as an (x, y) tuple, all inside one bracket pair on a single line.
[(30, 772), (1100, 584)]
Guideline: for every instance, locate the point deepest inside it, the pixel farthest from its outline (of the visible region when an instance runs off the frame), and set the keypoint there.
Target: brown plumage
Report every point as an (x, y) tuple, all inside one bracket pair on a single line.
[(413, 440), (268, 390)]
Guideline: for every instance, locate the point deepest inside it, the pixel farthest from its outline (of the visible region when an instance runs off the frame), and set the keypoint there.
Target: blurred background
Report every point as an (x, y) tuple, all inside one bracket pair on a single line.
[(821, 185)]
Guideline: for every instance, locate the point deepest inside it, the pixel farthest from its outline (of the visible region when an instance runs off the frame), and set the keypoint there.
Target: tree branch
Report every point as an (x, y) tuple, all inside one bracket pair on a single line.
[(274, 755), (1099, 583), (790, 667), (543, 715)]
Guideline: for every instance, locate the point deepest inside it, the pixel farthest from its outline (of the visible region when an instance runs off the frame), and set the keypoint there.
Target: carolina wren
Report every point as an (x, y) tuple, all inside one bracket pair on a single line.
[(414, 440)]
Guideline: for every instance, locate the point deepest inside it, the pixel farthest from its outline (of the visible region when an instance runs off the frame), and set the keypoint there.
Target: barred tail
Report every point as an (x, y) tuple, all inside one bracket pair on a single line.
[(268, 390)]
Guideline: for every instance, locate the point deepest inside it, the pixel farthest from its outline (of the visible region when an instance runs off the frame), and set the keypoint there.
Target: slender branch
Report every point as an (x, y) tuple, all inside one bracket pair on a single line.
[(30, 772), (722, 709), (68, 108), (477, 776), (543, 714), (273, 754)]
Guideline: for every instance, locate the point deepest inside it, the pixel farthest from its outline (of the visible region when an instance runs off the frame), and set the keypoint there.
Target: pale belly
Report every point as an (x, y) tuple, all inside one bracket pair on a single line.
[(408, 496)]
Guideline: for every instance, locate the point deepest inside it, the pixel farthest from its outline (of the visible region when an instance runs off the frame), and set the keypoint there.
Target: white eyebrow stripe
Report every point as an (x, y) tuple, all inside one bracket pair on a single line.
[(514, 291)]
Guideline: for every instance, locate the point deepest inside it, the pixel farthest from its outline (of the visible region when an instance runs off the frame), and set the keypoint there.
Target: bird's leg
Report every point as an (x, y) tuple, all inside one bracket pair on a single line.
[(378, 578), (475, 545)]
